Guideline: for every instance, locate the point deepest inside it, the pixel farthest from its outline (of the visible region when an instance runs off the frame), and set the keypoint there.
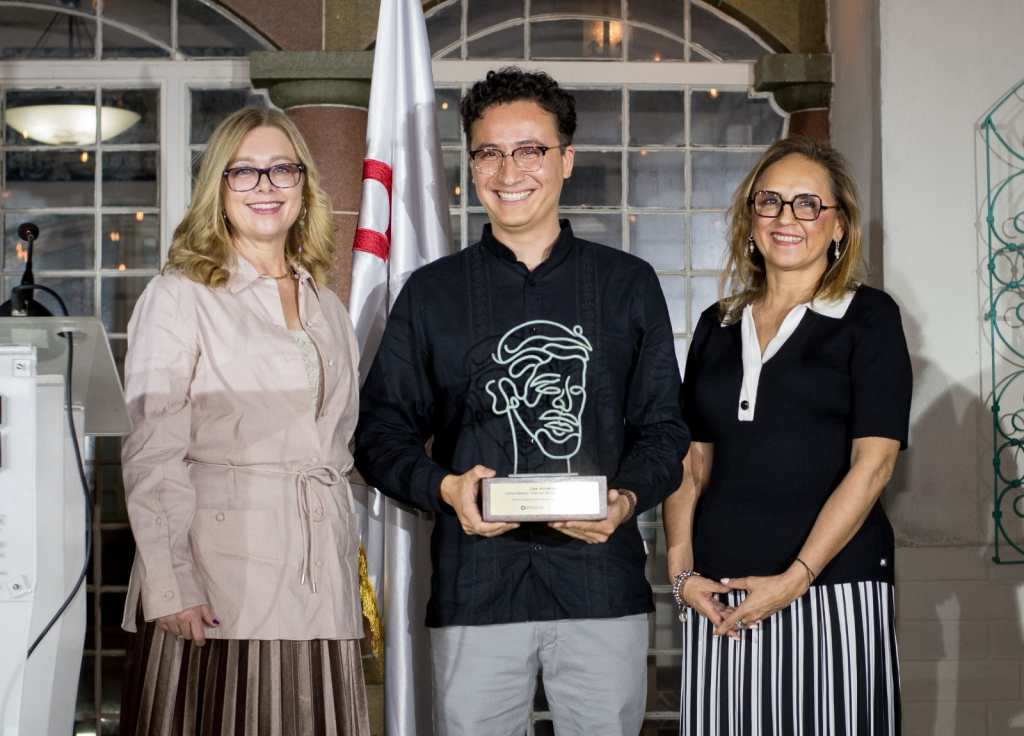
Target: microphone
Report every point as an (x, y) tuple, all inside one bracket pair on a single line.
[(21, 303)]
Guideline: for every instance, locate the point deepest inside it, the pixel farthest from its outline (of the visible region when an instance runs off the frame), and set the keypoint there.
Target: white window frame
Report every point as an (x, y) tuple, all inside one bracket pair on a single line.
[(174, 79)]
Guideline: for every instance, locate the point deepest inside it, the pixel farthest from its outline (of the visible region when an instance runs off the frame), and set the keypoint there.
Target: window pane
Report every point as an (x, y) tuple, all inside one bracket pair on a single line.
[(77, 294), (605, 229), (65, 243), (74, 126), (143, 102), (210, 106), (663, 683), (118, 44), (664, 14), (109, 476), (114, 637), (130, 178), (504, 44), (475, 226), (650, 728), (118, 300), (657, 563), (675, 296), (598, 116), (28, 34), (721, 37), (681, 347), (733, 118), (576, 39), (112, 671), (607, 8), (455, 225), (452, 162), (483, 15), (131, 241), (656, 118), (717, 174), (444, 26), (203, 32), (48, 179), (153, 17), (658, 239), (596, 180), (657, 178), (117, 549), (709, 241), (119, 348), (87, 689), (448, 120), (647, 45), (703, 293)]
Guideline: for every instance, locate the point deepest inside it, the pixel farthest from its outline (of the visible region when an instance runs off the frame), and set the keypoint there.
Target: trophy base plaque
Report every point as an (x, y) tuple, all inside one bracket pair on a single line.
[(549, 497)]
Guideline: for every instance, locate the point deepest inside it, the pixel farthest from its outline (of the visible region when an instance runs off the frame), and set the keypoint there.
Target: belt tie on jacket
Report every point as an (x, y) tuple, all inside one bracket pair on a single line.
[(311, 511)]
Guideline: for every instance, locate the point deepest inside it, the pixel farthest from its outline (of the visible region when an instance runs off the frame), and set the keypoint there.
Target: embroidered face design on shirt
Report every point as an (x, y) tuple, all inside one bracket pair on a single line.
[(542, 391)]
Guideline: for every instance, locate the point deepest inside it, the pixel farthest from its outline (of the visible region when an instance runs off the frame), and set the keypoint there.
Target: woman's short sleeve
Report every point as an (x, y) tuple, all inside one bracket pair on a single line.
[(881, 374), (699, 429)]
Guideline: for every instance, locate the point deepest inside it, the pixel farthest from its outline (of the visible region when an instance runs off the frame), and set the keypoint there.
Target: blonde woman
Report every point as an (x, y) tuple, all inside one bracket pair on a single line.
[(797, 393), (242, 389)]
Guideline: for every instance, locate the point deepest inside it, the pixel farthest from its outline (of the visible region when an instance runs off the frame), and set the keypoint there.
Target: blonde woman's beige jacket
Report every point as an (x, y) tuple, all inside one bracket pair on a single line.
[(235, 475)]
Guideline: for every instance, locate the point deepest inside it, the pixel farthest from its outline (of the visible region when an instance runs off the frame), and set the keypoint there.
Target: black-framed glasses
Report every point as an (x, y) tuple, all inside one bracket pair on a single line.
[(247, 178), (528, 158), (804, 206)]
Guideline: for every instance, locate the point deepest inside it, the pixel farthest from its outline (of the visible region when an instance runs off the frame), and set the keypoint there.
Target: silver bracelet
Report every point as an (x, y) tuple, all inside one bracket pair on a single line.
[(677, 591)]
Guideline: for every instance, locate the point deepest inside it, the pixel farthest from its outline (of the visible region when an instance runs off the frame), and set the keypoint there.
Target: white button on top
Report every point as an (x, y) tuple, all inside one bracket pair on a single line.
[(168, 595), (220, 516), (330, 362)]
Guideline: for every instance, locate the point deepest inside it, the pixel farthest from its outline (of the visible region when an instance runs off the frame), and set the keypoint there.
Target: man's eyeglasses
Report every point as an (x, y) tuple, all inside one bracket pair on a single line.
[(247, 178), (804, 206), (527, 158)]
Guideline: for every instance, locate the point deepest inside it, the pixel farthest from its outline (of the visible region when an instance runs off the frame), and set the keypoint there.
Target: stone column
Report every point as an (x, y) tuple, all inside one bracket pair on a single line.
[(326, 93), (801, 85)]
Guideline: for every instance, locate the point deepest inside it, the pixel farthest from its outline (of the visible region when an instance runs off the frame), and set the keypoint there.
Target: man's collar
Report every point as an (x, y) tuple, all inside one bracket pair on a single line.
[(561, 248)]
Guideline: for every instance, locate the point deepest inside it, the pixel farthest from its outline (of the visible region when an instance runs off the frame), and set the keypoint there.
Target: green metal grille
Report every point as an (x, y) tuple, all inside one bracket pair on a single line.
[(1002, 131)]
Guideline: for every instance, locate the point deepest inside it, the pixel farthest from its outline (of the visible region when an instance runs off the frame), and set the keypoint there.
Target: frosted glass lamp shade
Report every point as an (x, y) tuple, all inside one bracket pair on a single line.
[(64, 125)]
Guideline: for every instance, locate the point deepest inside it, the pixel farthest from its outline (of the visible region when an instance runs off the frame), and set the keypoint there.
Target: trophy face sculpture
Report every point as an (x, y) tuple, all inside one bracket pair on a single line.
[(542, 391)]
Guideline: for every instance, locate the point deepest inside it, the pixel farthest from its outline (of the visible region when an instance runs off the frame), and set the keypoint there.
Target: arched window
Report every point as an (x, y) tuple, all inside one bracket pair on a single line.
[(668, 126), (104, 108)]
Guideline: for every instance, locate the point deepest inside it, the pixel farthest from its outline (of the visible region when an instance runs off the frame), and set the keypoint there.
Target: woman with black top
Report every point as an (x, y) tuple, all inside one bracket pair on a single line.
[(797, 393)]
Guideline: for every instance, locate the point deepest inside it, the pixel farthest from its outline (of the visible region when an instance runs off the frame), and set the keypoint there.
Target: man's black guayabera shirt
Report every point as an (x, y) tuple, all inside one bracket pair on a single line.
[(568, 368)]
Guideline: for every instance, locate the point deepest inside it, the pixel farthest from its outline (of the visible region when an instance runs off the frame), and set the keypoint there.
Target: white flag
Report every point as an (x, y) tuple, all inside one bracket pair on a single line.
[(403, 224)]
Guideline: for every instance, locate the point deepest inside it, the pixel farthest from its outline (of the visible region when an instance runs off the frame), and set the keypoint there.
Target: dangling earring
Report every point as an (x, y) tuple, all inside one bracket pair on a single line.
[(302, 217), (750, 245), (835, 250)]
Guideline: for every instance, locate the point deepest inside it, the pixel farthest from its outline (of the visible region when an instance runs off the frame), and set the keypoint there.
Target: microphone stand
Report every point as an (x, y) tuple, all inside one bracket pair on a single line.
[(21, 303)]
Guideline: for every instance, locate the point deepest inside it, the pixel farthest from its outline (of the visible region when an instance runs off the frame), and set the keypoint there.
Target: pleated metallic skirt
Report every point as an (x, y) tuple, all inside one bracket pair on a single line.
[(243, 688), (826, 664)]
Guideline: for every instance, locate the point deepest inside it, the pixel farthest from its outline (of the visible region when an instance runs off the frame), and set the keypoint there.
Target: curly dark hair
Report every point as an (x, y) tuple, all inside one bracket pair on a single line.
[(510, 84)]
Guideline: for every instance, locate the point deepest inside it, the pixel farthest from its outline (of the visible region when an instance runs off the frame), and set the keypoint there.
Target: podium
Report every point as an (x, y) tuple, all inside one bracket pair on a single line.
[(42, 510)]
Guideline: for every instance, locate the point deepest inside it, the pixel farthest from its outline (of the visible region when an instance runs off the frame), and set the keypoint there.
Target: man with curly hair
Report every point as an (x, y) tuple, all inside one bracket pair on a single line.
[(531, 351)]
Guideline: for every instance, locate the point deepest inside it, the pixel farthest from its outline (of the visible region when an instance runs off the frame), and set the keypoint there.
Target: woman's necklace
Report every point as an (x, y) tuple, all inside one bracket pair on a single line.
[(287, 274)]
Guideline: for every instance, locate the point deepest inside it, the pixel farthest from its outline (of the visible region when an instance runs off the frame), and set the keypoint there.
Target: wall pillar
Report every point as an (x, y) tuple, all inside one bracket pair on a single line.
[(326, 94), (801, 85)]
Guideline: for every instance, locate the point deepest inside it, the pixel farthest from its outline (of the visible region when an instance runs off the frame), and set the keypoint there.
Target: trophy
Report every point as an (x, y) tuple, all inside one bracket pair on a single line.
[(541, 392)]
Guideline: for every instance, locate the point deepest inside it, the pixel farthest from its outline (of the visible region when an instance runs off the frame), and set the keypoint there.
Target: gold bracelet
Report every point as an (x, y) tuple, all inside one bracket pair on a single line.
[(810, 573)]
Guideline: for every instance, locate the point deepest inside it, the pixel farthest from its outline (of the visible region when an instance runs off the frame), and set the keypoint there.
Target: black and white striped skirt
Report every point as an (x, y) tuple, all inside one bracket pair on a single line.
[(827, 664)]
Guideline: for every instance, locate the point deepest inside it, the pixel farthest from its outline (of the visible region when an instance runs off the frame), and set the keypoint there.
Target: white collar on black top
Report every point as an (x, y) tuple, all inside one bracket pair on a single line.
[(754, 360)]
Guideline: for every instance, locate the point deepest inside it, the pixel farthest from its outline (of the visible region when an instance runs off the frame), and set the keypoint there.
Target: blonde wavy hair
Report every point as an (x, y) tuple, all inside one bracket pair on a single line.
[(201, 248), (744, 281)]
